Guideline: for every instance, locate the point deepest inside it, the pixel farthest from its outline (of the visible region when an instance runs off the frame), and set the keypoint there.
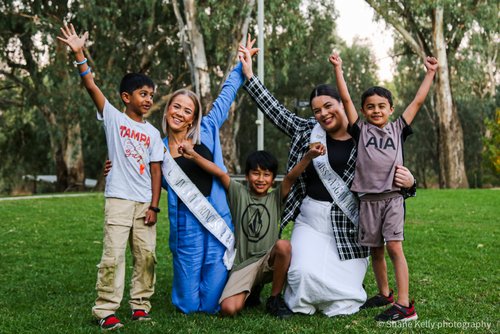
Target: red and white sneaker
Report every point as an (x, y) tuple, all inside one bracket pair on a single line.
[(110, 323), (398, 313), (140, 315)]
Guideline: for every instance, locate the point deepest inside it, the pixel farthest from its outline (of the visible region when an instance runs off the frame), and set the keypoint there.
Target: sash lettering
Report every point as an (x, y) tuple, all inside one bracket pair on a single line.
[(340, 192)]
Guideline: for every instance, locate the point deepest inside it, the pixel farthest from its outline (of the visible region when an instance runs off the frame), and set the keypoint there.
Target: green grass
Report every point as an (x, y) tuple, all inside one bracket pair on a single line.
[(50, 248)]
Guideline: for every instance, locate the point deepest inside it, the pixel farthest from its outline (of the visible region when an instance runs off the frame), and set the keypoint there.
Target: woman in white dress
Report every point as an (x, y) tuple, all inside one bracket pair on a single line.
[(328, 263)]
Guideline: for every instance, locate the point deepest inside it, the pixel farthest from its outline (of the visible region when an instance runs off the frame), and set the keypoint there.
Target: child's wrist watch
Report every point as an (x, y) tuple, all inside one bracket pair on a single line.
[(155, 209)]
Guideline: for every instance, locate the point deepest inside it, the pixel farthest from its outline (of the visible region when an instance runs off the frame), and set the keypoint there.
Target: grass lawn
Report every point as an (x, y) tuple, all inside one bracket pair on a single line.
[(50, 248)]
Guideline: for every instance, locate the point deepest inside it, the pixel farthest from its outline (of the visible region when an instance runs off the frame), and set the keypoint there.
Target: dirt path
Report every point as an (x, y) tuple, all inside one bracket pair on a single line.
[(15, 198)]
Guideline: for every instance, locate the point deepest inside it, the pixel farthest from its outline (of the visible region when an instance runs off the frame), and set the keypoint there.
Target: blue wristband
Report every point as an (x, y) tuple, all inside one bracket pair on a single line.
[(86, 72), (76, 63)]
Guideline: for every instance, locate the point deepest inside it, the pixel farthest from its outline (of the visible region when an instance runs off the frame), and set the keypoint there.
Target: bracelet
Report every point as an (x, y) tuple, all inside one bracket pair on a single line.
[(86, 72), (155, 209), (76, 63)]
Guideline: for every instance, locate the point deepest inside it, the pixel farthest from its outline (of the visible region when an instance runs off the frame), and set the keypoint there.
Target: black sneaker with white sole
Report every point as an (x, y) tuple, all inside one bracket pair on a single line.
[(378, 300)]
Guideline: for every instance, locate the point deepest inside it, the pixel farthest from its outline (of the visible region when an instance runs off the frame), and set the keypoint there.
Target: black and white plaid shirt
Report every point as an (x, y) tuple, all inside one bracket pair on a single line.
[(299, 130)]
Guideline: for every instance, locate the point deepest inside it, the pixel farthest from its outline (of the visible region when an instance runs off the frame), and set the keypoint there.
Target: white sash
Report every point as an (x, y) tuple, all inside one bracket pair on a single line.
[(340, 192), (199, 206)]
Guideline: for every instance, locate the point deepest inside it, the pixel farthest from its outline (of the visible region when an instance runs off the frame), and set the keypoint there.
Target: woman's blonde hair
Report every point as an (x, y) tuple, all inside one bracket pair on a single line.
[(194, 131)]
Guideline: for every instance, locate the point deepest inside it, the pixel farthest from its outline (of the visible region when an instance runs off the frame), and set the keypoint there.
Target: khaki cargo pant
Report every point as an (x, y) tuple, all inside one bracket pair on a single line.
[(124, 222)]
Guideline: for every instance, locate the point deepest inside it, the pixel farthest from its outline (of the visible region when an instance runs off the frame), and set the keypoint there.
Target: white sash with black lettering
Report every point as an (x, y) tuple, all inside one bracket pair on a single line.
[(340, 192), (199, 206)]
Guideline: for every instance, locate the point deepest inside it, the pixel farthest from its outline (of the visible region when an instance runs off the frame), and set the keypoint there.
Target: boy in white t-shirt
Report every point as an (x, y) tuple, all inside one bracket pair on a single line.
[(132, 190)]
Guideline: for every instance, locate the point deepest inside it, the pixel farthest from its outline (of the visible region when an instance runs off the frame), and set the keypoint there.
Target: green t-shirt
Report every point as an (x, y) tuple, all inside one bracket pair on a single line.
[(256, 222)]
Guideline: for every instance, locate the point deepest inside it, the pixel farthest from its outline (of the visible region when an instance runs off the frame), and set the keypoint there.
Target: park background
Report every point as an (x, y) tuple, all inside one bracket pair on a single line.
[(48, 127), (48, 124)]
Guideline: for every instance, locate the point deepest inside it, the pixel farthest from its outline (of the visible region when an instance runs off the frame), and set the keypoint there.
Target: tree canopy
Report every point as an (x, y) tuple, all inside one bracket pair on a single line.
[(48, 122)]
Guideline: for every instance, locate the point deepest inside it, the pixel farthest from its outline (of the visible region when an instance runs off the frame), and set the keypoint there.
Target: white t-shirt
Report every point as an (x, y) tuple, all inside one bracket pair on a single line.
[(131, 147)]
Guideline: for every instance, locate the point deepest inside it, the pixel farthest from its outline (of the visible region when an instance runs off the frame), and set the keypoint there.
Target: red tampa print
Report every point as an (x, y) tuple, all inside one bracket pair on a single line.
[(136, 135)]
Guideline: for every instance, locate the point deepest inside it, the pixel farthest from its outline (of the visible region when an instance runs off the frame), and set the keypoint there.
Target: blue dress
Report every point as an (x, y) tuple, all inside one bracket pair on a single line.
[(199, 272)]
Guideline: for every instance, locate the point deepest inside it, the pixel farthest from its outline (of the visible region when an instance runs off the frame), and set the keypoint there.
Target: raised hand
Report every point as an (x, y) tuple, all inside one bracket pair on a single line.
[(245, 54), (246, 61), (71, 38), (431, 64), (250, 43), (335, 59)]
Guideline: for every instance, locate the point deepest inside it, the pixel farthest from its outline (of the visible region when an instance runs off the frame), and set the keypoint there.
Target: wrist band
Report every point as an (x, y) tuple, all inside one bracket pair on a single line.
[(86, 72), (155, 209), (76, 63)]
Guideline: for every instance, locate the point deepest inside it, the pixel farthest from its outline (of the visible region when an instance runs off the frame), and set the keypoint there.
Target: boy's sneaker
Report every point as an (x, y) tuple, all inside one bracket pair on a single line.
[(110, 323), (378, 300), (276, 306), (398, 313), (253, 299), (140, 315)]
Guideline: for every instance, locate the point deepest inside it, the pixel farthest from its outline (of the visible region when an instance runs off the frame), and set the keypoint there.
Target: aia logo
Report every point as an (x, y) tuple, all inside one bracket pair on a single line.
[(255, 222)]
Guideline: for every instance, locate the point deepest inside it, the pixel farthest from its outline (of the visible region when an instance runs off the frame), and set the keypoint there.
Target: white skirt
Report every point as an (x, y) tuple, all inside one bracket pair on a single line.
[(317, 278)]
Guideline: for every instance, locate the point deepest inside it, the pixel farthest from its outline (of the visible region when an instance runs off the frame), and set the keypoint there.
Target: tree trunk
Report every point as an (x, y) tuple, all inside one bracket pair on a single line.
[(228, 134), (194, 48), (56, 149), (67, 153), (450, 135), (101, 179), (230, 129), (73, 158)]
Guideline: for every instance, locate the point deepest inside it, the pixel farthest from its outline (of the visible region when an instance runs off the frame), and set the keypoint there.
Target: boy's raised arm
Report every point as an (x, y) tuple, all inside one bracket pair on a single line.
[(187, 150), (411, 111), (315, 150), (76, 44), (352, 114)]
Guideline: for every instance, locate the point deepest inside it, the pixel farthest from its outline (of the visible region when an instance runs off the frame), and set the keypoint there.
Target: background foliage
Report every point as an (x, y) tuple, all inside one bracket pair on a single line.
[(48, 122)]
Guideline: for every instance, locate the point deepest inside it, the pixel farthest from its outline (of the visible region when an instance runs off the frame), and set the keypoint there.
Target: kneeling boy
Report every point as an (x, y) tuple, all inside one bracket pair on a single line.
[(261, 256)]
